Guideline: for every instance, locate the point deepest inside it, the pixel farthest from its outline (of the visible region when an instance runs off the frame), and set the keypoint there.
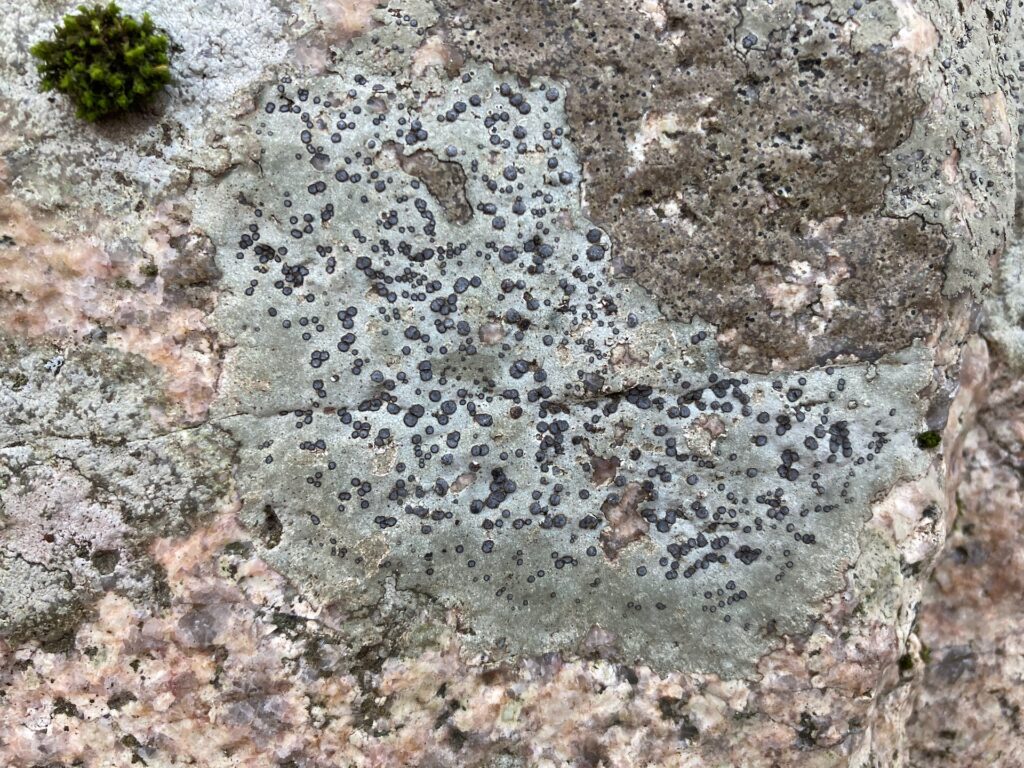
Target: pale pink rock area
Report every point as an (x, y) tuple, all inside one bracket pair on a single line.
[(148, 298), (230, 664), (236, 668), (968, 708)]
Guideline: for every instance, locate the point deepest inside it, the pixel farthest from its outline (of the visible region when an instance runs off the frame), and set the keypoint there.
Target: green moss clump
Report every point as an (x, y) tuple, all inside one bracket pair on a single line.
[(926, 653), (104, 61), (929, 439)]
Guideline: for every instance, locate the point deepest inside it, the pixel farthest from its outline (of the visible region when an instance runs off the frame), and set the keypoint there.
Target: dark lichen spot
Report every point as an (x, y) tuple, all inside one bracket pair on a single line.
[(271, 528)]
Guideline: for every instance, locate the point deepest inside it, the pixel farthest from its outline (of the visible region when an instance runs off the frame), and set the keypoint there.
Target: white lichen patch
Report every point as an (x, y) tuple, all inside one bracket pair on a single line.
[(87, 476)]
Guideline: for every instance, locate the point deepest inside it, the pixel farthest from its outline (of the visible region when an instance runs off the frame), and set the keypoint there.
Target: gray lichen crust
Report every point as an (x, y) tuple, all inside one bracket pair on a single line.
[(87, 479), (445, 381)]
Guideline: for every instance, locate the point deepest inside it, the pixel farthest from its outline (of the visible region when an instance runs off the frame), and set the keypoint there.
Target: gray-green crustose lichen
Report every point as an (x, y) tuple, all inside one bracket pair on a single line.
[(104, 61), (484, 408)]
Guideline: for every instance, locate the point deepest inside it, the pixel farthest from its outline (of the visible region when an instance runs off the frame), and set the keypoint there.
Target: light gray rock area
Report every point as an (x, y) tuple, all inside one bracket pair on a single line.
[(591, 384), (88, 479)]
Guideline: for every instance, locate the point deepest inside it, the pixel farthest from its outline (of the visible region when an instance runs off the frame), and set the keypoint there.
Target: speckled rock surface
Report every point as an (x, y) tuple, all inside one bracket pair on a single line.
[(431, 383)]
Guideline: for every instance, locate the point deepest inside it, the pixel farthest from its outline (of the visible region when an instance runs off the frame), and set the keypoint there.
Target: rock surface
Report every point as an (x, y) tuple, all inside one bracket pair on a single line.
[(513, 384)]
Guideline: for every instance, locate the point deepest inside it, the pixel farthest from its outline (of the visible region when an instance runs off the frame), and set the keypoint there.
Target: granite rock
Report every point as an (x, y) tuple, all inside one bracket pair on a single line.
[(508, 384)]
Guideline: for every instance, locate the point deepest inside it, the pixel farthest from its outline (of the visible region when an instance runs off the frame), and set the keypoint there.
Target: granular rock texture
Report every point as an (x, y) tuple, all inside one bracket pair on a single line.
[(87, 477), (970, 621), (517, 384)]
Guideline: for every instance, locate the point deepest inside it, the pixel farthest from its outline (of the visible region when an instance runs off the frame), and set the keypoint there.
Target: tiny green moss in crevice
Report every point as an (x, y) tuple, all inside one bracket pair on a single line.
[(925, 653), (104, 61), (929, 439)]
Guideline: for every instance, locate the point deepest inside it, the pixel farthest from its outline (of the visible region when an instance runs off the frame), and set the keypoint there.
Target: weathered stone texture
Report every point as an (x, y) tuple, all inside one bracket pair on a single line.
[(692, 119), (214, 532)]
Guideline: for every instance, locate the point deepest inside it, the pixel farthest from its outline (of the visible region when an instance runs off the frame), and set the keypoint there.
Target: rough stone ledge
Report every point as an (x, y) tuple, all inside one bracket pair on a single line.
[(667, 304)]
